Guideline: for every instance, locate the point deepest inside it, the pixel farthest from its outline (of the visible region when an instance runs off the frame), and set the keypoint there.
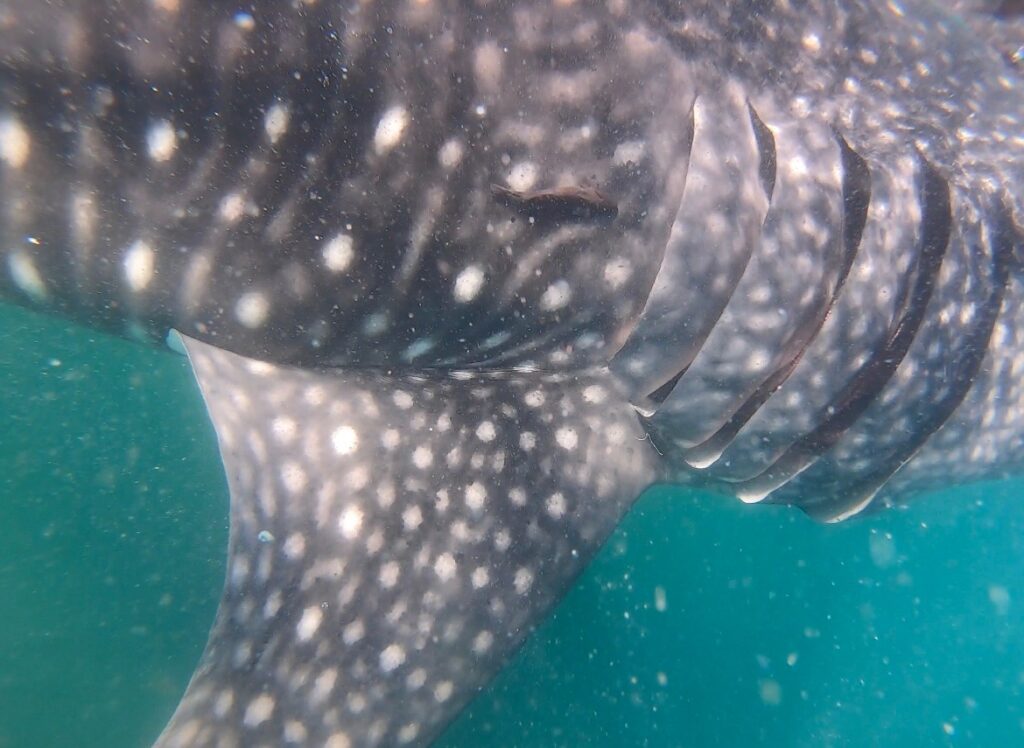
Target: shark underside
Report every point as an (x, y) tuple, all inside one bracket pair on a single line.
[(458, 281)]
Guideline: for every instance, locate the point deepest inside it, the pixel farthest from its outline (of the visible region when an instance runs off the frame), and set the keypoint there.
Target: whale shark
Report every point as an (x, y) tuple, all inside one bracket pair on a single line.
[(459, 281)]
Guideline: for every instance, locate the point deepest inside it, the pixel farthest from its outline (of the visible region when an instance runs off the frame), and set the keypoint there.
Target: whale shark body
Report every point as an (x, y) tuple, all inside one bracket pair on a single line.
[(458, 281)]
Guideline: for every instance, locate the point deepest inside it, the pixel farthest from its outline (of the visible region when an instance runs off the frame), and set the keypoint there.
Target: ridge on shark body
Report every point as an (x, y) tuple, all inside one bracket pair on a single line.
[(458, 282)]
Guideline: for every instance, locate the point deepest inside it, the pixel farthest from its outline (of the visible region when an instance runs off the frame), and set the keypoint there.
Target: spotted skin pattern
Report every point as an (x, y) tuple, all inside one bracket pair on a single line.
[(433, 405), (400, 543)]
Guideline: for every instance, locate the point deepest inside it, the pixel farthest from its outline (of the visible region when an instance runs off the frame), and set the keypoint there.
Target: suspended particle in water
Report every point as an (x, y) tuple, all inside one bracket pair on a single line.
[(660, 600)]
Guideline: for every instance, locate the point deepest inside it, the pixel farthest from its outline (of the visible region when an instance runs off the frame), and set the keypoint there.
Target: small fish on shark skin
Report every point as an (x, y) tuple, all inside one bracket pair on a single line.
[(560, 204), (806, 289)]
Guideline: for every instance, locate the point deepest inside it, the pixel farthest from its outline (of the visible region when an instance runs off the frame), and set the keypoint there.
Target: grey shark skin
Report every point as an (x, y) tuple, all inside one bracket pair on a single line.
[(431, 408)]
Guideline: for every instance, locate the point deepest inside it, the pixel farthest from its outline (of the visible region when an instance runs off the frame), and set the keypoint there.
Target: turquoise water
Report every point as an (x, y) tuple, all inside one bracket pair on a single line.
[(702, 622)]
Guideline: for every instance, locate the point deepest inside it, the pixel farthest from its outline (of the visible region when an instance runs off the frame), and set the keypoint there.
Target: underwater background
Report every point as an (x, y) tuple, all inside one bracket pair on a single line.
[(701, 623)]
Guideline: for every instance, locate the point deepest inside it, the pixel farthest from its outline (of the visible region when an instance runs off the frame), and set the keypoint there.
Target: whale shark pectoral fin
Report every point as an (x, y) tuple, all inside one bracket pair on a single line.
[(393, 540)]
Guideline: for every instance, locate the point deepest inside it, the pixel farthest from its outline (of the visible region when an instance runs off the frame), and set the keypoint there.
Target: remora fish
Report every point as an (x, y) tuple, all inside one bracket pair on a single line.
[(431, 416)]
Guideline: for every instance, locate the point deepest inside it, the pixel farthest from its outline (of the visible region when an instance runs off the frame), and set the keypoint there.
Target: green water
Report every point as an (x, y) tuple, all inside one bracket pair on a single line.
[(702, 623)]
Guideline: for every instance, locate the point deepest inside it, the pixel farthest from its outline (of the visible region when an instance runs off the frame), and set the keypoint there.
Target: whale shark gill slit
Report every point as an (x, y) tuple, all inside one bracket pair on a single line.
[(861, 391), (856, 200), (681, 310), (841, 490), (766, 148), (767, 165)]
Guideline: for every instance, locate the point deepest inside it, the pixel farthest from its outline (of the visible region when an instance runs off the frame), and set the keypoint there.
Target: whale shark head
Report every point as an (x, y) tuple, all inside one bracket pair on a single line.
[(459, 281)]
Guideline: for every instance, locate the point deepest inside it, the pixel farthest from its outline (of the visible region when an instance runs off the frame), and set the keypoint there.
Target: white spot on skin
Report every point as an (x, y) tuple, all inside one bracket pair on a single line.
[(338, 253), (284, 429), (483, 642), (309, 623), (812, 43), (412, 518), (534, 398), (15, 143), (798, 166), (224, 702), (567, 438), (527, 440), (351, 522), (391, 658), (422, 457), (488, 66), (259, 710), (616, 434), (139, 265), (338, 740), (295, 546), (869, 56), (630, 150), (252, 309), (556, 505), (25, 275), (275, 123), (197, 277), (186, 733), (84, 217), (408, 733), (344, 440), (390, 129), (357, 478), (481, 577), (517, 496), (443, 691), (523, 580), (376, 324), (476, 495), (416, 678), (617, 272), (293, 477), (556, 296), (161, 141), (460, 531), (232, 207), (523, 176), (356, 703), (402, 399), (445, 566), (295, 732), (389, 574), (486, 432), (390, 439), (239, 570), (468, 284), (385, 494), (354, 632), (451, 153)]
